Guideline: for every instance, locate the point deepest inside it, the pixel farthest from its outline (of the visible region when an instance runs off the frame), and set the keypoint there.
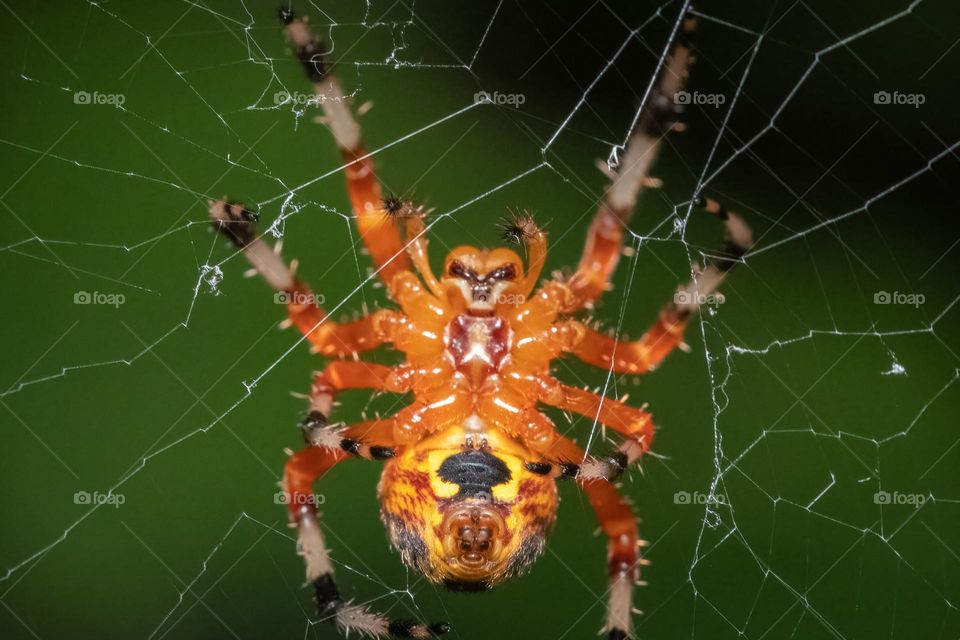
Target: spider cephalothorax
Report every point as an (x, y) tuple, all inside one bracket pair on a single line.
[(468, 492)]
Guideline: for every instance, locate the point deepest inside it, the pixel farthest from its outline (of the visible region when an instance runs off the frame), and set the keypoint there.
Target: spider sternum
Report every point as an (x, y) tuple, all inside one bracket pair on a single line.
[(478, 346)]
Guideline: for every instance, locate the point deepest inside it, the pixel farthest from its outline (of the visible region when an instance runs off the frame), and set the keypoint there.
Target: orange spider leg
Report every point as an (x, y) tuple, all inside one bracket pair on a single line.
[(640, 356), (636, 356), (623, 562), (327, 337), (336, 339), (420, 332), (511, 411), (523, 229), (301, 471), (601, 253), (374, 224), (347, 374), (633, 423), (620, 526), (342, 339), (433, 411)]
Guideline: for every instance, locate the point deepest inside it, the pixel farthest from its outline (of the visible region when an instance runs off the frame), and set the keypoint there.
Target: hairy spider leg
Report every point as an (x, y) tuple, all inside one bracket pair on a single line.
[(640, 356), (327, 337), (375, 224), (300, 472), (601, 253), (618, 523), (636, 425), (336, 377)]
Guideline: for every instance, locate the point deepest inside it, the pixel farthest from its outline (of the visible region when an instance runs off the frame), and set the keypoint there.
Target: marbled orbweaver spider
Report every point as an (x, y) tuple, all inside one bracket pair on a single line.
[(468, 492)]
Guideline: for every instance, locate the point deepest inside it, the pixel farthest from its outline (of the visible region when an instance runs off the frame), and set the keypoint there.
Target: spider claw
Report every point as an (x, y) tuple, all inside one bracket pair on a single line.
[(233, 221), (310, 51), (286, 15)]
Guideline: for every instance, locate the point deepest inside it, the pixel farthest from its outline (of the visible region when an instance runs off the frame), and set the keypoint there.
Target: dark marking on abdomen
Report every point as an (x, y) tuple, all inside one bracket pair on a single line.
[(475, 472)]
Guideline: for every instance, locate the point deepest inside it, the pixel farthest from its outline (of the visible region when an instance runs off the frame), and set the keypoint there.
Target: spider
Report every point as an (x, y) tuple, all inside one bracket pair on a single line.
[(468, 492)]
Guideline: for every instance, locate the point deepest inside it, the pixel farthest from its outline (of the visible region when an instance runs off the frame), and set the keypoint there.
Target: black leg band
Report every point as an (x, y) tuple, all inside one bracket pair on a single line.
[(382, 453), (539, 468), (327, 595)]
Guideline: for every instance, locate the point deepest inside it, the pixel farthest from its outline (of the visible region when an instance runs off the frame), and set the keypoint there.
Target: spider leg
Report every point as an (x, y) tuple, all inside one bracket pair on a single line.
[(636, 425), (300, 472), (605, 236), (640, 356), (238, 225), (374, 224), (336, 377), (623, 561), (328, 338), (372, 440), (618, 523)]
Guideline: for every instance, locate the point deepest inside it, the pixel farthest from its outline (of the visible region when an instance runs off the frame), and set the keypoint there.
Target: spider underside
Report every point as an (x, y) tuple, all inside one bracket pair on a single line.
[(468, 492)]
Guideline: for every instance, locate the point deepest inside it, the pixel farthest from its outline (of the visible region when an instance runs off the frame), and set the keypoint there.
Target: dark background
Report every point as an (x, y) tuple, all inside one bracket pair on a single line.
[(800, 398)]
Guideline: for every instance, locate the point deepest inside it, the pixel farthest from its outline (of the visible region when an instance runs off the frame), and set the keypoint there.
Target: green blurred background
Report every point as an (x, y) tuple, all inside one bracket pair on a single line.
[(800, 398)]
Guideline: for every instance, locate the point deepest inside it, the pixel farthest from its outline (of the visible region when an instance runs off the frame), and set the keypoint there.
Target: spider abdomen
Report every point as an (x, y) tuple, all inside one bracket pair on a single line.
[(466, 511)]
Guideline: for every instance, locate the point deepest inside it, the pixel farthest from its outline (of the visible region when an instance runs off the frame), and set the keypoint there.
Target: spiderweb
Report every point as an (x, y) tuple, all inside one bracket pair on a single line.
[(804, 479)]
